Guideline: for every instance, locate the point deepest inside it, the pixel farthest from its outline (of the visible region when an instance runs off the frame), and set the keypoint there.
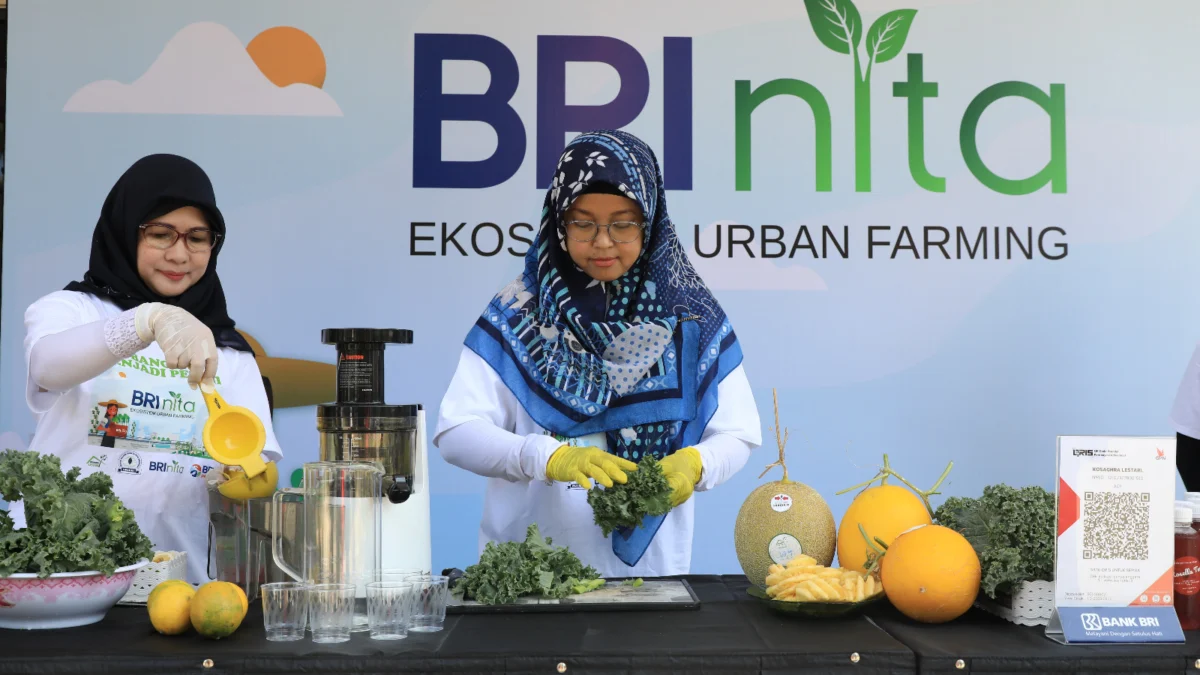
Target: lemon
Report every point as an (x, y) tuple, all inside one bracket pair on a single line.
[(169, 606), (218, 609)]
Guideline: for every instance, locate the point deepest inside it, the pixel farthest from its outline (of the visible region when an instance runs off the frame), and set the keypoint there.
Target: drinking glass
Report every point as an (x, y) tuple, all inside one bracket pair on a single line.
[(331, 612), (431, 592), (390, 606), (285, 610)]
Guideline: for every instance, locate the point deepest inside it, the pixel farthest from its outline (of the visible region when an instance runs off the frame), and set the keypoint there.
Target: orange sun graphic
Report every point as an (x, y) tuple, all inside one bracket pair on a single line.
[(288, 56)]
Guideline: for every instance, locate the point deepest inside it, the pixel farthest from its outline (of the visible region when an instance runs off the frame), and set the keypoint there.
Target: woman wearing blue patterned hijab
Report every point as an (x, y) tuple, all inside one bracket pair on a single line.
[(608, 347)]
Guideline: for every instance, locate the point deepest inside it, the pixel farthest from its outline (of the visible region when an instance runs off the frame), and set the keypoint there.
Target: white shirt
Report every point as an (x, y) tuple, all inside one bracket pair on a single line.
[(483, 428), (152, 447)]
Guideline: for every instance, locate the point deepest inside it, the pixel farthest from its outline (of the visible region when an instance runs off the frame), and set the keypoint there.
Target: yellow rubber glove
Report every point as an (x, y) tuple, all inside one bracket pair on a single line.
[(683, 468), (240, 488), (570, 463)]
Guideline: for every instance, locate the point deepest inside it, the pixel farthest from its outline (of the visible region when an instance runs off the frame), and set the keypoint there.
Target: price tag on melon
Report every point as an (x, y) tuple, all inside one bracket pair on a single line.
[(1115, 556)]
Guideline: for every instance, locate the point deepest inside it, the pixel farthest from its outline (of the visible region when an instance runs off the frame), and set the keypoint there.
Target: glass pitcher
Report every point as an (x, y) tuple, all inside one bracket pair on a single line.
[(339, 529)]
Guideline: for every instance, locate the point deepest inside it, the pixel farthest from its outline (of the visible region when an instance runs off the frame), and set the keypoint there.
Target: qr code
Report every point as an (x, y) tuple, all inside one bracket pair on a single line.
[(1116, 525)]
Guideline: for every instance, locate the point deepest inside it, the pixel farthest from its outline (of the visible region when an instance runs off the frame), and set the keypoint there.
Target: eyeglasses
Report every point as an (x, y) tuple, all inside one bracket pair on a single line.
[(163, 237), (621, 232)]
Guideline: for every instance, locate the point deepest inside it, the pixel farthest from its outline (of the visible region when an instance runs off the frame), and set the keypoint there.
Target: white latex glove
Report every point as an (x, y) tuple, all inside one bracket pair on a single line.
[(185, 341)]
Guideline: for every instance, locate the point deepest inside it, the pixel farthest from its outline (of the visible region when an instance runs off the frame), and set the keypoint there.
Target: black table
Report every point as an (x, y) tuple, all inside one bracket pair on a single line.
[(988, 644), (731, 633)]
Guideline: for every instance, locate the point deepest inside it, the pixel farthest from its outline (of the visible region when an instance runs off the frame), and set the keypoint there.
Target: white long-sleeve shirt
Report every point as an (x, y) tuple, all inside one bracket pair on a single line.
[(483, 428), (104, 401)]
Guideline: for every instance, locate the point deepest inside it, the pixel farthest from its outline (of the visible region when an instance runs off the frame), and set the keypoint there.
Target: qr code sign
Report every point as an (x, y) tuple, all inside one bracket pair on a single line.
[(1116, 525)]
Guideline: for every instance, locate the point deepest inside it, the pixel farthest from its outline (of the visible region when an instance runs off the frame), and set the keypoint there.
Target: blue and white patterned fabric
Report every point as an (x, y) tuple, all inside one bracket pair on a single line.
[(639, 358)]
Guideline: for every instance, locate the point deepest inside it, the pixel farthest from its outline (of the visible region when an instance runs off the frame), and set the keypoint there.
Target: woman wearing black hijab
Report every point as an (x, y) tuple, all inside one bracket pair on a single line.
[(145, 327)]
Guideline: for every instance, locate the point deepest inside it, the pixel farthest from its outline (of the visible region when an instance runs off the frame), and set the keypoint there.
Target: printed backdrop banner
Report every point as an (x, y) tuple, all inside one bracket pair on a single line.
[(946, 230)]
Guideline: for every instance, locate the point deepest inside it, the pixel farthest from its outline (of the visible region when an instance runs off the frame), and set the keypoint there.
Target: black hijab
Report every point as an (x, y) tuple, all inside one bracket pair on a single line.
[(154, 186)]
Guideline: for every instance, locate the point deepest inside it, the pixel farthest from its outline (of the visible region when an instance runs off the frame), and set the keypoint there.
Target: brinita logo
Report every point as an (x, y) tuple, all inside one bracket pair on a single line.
[(838, 26), (172, 403), (163, 467)]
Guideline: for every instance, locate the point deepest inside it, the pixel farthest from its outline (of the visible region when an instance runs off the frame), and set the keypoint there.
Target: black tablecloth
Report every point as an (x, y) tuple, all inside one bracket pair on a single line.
[(731, 633), (988, 644)]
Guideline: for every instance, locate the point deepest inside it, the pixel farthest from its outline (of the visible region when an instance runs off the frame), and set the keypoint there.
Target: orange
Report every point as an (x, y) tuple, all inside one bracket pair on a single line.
[(885, 511), (218, 609), (169, 606), (931, 574)]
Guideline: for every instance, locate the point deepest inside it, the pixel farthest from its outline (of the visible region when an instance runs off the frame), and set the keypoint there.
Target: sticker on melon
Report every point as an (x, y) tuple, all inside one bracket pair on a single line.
[(883, 512), (784, 548)]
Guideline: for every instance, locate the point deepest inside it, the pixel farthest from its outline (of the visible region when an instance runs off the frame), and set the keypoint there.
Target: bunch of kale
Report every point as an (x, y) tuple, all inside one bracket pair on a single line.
[(535, 566), (1012, 530), (646, 493), (72, 525)]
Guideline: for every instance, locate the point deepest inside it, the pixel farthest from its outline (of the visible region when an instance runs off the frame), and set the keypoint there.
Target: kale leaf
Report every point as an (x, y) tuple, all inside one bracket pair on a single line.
[(72, 525), (646, 493), (1012, 530), (509, 570)]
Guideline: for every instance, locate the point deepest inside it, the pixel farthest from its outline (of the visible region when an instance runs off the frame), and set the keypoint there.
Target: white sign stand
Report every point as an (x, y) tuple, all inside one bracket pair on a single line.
[(1114, 556)]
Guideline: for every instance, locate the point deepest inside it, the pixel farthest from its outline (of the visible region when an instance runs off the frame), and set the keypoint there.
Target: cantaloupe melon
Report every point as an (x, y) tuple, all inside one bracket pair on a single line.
[(781, 520)]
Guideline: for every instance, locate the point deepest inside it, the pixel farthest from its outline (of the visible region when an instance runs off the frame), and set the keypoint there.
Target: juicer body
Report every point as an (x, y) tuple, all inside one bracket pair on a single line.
[(399, 446)]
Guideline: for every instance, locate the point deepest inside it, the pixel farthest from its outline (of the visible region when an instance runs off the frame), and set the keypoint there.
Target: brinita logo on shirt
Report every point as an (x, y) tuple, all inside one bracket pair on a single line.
[(164, 467), (172, 403)]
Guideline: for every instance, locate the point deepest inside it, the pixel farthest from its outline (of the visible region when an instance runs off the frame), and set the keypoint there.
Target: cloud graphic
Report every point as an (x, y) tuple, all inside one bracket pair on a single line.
[(203, 70), (746, 274)]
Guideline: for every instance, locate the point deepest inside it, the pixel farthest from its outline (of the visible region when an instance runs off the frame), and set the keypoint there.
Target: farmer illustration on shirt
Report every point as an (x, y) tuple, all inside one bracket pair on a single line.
[(111, 429)]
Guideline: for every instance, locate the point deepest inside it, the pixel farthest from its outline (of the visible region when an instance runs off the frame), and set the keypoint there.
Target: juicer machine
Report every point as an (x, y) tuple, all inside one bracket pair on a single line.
[(362, 427)]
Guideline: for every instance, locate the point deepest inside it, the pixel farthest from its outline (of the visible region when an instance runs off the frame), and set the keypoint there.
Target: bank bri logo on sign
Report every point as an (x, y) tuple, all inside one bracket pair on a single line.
[(837, 24), (1082, 625)]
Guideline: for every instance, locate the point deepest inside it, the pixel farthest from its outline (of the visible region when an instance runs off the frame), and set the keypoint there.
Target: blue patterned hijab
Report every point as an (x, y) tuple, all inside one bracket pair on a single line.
[(639, 358)]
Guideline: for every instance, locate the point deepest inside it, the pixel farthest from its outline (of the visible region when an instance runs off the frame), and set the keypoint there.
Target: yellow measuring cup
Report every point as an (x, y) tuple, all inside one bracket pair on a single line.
[(233, 435)]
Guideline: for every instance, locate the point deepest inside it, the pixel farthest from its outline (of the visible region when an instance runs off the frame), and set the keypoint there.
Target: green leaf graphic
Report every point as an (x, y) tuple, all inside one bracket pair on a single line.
[(886, 38), (836, 23)]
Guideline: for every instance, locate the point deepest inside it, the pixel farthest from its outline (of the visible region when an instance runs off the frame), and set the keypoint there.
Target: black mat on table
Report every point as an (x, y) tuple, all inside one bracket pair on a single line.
[(730, 634)]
